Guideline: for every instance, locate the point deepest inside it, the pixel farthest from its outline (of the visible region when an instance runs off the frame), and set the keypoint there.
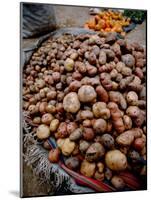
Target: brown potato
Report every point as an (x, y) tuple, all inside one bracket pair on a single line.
[(76, 134), (88, 134), (47, 118), (72, 163), (87, 168), (54, 155), (108, 141), (94, 152), (118, 182), (100, 126)]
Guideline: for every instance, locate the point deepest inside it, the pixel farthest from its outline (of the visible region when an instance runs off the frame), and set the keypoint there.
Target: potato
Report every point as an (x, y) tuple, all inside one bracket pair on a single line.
[(115, 160), (74, 86), (94, 152), (87, 168), (108, 141), (53, 155), (37, 120), (97, 107), (133, 111), (99, 125), (139, 143), (86, 94), (47, 118), (76, 134), (40, 83), (83, 146), (60, 142), (62, 130), (86, 114), (46, 145), (132, 98), (80, 67), (110, 54), (72, 163), (129, 60), (43, 131), (87, 123), (88, 134), (118, 182), (54, 125), (71, 102), (102, 94), (42, 107), (69, 64), (126, 138), (100, 167), (118, 98), (68, 147), (99, 176), (92, 58), (127, 122), (71, 126), (102, 58), (51, 95), (56, 76), (91, 70)]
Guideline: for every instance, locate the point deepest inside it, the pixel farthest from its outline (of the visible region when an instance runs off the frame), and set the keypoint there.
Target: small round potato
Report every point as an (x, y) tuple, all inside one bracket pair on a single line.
[(118, 182), (115, 160), (43, 131)]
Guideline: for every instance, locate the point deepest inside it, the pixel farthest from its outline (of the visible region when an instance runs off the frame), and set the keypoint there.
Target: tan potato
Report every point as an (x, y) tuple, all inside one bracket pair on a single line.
[(43, 131), (115, 160), (86, 114), (133, 111), (127, 122), (68, 147), (54, 125), (126, 138), (100, 167), (86, 93), (132, 98), (87, 168), (71, 102)]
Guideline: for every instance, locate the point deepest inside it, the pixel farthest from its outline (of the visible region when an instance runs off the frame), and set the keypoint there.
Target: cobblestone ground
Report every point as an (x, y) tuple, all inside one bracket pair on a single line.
[(73, 17)]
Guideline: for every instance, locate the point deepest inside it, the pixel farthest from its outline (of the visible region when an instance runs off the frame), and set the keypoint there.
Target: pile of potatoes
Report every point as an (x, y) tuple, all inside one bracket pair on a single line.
[(89, 93)]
